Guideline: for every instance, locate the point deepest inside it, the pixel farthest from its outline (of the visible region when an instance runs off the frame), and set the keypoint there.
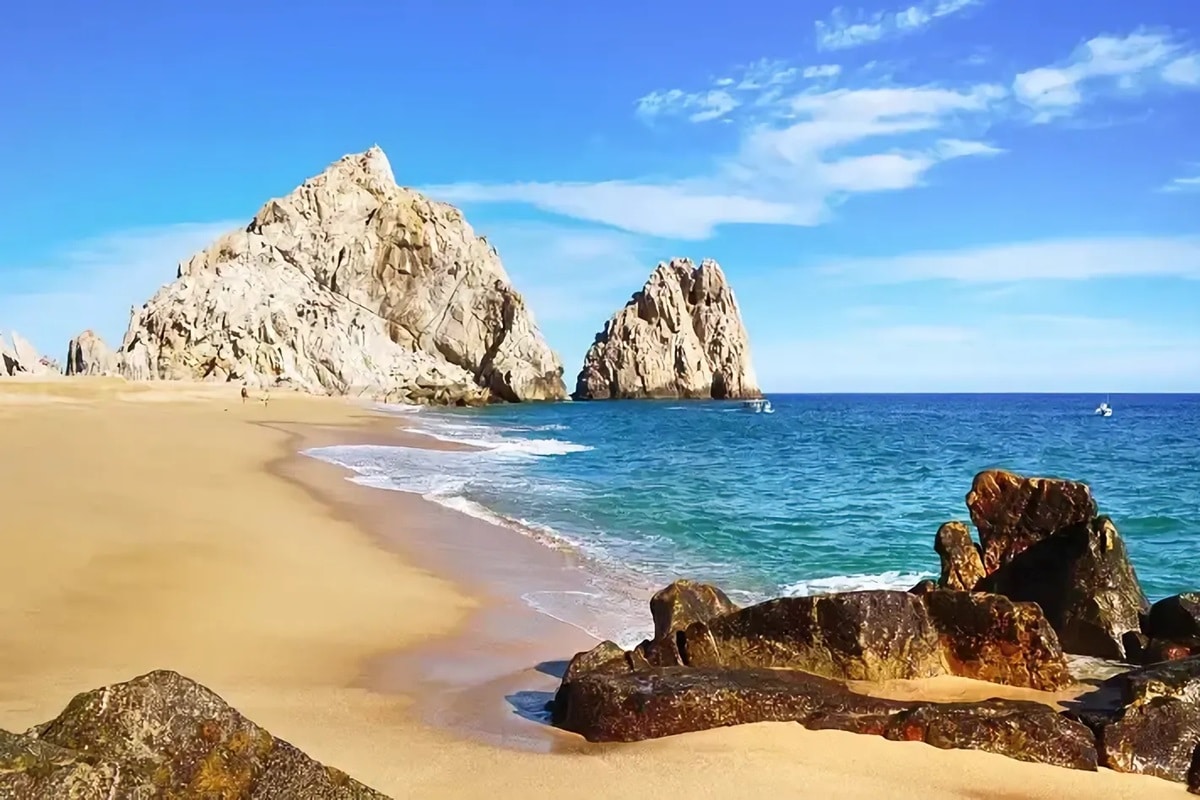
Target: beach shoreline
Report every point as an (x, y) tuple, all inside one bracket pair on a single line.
[(170, 526)]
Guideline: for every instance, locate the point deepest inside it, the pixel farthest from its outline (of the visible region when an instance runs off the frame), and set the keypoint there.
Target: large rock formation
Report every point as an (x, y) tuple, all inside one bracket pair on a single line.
[(351, 284), (162, 735), (680, 336), (87, 354)]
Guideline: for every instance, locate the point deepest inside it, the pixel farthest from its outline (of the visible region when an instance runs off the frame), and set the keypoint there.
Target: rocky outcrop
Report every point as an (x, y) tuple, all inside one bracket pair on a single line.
[(686, 602), (1012, 512), (350, 284), (19, 357), (962, 566), (680, 336), (162, 735), (87, 354), (607, 707), (1147, 721), (1082, 578)]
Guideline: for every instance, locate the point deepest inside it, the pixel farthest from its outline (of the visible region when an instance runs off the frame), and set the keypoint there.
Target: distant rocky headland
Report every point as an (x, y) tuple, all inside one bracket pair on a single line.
[(1049, 577), (354, 285), (681, 336)]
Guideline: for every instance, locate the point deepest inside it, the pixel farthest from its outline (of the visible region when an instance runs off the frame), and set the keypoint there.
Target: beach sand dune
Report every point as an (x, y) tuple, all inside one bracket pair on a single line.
[(148, 526)]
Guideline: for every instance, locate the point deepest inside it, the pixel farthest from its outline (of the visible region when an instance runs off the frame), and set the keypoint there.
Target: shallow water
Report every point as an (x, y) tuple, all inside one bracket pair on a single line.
[(829, 492)]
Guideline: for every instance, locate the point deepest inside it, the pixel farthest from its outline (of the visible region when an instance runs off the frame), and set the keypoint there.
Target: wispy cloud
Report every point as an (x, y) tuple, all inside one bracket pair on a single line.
[(822, 71), (92, 283), (1185, 183), (1132, 64), (784, 172), (697, 106), (1062, 259), (845, 29)]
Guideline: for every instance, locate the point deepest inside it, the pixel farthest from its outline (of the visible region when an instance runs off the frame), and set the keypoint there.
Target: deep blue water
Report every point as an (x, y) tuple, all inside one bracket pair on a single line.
[(827, 492)]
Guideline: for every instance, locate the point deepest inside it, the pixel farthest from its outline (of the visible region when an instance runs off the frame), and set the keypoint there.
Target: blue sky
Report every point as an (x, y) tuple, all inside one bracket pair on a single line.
[(924, 195)]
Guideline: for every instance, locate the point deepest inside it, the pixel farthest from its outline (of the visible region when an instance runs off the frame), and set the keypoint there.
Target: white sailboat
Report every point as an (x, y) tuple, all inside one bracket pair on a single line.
[(1104, 409), (759, 405)]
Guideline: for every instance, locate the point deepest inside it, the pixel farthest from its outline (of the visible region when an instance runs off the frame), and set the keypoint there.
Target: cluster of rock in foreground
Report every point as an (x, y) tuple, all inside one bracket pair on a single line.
[(1049, 578), (19, 357), (161, 736)]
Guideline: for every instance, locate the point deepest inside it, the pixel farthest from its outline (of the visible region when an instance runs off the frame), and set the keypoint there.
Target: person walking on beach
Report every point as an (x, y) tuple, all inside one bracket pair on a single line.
[(245, 394)]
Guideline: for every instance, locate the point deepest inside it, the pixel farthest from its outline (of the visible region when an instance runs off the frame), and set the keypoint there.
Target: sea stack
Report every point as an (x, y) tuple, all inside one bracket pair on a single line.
[(349, 285), (681, 336)]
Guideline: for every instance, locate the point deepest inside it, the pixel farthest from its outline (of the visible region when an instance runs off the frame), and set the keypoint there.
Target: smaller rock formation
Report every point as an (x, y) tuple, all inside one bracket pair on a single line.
[(680, 336), (22, 358), (686, 602), (1153, 728), (611, 707), (162, 735), (87, 354), (1012, 512), (962, 566)]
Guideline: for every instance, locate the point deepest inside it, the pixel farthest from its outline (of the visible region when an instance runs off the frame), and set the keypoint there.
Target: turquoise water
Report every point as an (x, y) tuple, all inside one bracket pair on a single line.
[(827, 493)]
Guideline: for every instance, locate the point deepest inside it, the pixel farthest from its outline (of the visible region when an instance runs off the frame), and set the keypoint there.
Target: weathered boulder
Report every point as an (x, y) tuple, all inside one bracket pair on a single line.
[(1157, 650), (1083, 580), (962, 566), (87, 354), (667, 701), (1175, 617), (685, 602), (351, 285), (162, 735), (883, 635), (1012, 512), (680, 336), (1156, 728)]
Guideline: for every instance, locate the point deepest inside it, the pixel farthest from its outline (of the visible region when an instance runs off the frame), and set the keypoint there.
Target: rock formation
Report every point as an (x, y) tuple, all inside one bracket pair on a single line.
[(22, 358), (87, 354), (685, 602), (162, 735), (351, 284), (680, 336), (962, 567)]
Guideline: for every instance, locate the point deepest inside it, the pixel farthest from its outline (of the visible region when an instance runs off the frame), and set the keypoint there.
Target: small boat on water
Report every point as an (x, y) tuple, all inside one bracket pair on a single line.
[(759, 405), (1104, 409)]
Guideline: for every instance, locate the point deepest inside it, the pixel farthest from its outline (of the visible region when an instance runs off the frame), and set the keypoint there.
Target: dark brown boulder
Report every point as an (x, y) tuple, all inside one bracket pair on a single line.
[(1012, 512), (883, 635), (685, 602), (924, 587), (606, 657), (1176, 617), (869, 635), (991, 638), (673, 700), (962, 565), (172, 735), (1155, 729), (1158, 650), (1085, 584)]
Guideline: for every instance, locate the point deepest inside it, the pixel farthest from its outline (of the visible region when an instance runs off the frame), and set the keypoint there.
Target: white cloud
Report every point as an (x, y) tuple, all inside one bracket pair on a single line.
[(698, 106), (1132, 64), (92, 283), (1062, 259), (846, 29), (822, 71), (1189, 183), (781, 173)]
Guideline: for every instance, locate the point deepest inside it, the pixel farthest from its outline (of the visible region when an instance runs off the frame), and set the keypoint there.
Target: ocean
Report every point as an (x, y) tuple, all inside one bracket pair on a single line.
[(826, 493)]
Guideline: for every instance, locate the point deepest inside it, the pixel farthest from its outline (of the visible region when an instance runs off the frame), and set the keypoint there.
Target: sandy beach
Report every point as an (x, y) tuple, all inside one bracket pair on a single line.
[(148, 526)]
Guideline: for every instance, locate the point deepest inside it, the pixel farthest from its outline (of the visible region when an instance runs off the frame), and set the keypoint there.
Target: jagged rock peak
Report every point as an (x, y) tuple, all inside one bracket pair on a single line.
[(18, 357), (680, 336), (350, 284)]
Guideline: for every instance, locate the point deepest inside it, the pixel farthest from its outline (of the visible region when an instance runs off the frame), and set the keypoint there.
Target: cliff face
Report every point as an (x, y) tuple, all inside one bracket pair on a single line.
[(351, 284), (680, 336)]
